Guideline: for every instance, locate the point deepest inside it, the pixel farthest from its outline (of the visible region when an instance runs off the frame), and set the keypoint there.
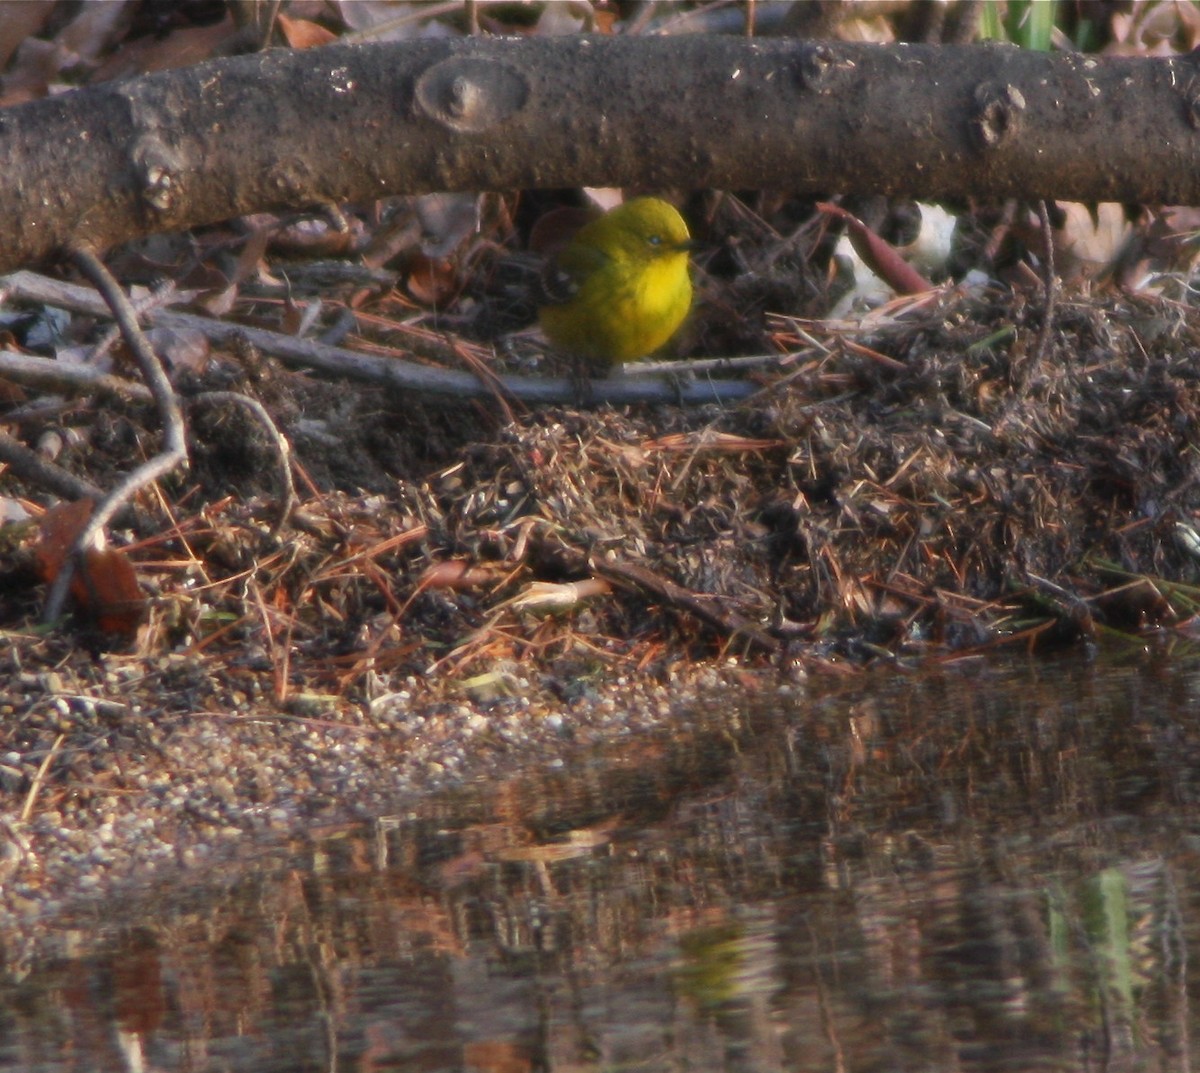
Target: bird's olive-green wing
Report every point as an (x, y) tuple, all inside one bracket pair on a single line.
[(567, 272)]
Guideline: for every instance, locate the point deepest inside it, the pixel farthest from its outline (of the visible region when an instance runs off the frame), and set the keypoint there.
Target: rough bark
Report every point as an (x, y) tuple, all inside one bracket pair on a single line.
[(288, 129)]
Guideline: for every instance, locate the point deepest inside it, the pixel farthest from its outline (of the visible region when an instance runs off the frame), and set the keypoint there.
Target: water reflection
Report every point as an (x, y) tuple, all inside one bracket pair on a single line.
[(975, 868)]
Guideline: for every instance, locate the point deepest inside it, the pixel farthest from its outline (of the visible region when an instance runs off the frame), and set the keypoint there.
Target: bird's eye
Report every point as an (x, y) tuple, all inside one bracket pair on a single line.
[(655, 240)]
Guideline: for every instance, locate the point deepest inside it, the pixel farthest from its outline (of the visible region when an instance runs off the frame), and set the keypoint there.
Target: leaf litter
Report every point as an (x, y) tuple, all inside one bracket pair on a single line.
[(943, 476)]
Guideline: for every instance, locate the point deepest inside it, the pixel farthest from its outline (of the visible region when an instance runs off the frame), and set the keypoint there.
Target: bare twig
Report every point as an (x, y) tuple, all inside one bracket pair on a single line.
[(402, 375), (63, 377), (39, 777), (174, 449), (698, 366), (726, 622), (30, 466), (283, 453)]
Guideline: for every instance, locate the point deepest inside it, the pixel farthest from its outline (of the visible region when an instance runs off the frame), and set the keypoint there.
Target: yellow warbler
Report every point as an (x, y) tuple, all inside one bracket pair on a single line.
[(620, 289)]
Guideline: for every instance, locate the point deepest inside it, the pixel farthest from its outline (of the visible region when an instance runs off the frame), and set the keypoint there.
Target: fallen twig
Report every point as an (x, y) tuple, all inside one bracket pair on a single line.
[(283, 454), (402, 375), (727, 623), (174, 449)]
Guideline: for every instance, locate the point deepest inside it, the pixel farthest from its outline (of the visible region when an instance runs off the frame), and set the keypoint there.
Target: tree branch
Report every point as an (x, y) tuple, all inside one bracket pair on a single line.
[(352, 122)]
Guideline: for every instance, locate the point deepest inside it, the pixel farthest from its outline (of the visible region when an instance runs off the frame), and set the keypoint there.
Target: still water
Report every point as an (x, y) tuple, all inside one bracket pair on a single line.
[(973, 868)]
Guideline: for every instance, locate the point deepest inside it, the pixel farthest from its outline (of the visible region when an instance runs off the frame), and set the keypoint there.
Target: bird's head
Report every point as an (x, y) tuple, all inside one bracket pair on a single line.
[(649, 228)]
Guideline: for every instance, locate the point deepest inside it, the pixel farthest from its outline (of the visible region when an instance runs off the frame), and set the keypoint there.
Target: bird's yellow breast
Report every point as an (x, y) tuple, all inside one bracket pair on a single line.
[(621, 314), (629, 286)]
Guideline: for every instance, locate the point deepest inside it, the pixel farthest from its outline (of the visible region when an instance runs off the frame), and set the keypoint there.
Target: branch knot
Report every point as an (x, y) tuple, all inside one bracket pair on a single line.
[(471, 94), (997, 116)]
